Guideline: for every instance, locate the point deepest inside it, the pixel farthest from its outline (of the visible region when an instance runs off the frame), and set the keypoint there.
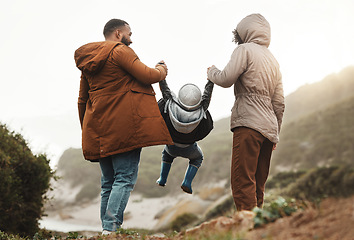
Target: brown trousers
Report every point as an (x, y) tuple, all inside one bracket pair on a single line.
[(251, 155)]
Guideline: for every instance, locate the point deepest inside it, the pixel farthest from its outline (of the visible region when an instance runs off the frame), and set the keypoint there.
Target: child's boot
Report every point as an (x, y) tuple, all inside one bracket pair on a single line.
[(165, 169), (188, 178)]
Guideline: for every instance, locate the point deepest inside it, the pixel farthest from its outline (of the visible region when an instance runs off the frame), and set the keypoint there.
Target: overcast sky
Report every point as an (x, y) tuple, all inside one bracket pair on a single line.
[(39, 80)]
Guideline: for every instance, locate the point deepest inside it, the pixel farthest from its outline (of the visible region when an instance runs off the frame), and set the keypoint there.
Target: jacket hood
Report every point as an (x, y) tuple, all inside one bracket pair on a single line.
[(91, 57), (182, 120), (254, 29)]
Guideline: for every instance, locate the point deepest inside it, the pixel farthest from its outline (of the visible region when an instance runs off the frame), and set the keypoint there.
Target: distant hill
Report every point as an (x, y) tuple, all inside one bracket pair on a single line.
[(323, 138), (311, 98), (318, 125), (75, 172), (318, 130)]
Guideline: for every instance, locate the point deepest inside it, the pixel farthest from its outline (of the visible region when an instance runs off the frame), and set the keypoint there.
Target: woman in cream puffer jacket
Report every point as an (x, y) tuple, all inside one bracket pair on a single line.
[(258, 108)]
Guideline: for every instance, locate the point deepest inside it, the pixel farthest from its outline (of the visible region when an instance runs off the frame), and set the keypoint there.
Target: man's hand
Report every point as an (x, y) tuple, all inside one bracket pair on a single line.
[(161, 63), (162, 67)]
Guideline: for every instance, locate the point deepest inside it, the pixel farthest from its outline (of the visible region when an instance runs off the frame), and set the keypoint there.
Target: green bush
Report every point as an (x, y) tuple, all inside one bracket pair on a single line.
[(283, 179), (24, 181), (324, 182), (43, 234)]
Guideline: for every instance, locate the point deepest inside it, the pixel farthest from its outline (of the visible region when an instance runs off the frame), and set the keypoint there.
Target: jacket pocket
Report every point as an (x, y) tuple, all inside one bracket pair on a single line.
[(145, 104), (137, 87)]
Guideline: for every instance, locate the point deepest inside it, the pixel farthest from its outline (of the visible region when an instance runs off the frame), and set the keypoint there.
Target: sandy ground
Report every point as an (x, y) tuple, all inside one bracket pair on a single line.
[(333, 220), (140, 213)]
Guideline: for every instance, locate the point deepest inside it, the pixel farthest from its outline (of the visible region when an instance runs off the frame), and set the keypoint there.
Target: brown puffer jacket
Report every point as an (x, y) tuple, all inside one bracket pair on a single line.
[(257, 80), (117, 105)]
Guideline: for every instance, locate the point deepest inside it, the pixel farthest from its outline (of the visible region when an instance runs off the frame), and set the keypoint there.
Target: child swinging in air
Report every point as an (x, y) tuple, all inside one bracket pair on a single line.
[(188, 121)]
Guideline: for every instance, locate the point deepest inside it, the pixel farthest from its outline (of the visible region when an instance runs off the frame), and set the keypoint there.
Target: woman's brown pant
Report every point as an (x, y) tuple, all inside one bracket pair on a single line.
[(251, 155)]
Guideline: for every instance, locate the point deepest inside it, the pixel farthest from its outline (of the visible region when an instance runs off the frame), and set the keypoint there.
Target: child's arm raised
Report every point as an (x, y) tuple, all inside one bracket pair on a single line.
[(165, 90), (207, 95)]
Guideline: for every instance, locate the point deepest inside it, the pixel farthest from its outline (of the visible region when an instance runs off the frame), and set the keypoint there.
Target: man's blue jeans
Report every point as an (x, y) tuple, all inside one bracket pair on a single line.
[(119, 175), (192, 152)]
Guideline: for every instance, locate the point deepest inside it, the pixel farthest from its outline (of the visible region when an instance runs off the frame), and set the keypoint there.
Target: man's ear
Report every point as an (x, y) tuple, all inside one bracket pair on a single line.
[(118, 34)]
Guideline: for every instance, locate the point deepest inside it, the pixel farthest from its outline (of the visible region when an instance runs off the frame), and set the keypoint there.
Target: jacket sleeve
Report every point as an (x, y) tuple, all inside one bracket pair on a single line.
[(83, 97), (278, 103), (207, 95), (232, 71), (129, 61), (165, 90)]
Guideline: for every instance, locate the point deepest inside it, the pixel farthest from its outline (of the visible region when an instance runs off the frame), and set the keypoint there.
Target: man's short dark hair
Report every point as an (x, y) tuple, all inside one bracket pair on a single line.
[(112, 25)]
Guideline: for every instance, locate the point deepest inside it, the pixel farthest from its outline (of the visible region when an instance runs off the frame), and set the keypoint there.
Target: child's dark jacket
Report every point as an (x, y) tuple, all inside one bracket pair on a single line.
[(200, 122)]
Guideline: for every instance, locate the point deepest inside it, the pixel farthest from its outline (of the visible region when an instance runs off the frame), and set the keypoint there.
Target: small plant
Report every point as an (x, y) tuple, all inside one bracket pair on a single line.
[(5, 236), (73, 235), (274, 210), (171, 234), (126, 231), (216, 236), (42, 234)]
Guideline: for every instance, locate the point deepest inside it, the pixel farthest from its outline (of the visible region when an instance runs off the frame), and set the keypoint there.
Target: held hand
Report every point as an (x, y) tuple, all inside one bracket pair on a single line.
[(162, 67), (210, 67), (160, 63)]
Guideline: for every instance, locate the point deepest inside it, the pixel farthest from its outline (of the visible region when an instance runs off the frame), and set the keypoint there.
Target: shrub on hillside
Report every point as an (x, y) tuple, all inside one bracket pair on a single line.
[(24, 181), (324, 182), (283, 179)]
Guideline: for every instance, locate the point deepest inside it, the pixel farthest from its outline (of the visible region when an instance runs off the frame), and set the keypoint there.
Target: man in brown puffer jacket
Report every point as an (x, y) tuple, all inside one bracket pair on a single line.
[(118, 114)]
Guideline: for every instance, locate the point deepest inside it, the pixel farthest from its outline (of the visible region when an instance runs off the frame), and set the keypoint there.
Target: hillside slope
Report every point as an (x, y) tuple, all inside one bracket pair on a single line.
[(323, 138)]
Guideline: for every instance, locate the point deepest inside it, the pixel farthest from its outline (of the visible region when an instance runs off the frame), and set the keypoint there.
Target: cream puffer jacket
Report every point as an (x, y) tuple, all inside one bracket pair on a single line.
[(255, 74)]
